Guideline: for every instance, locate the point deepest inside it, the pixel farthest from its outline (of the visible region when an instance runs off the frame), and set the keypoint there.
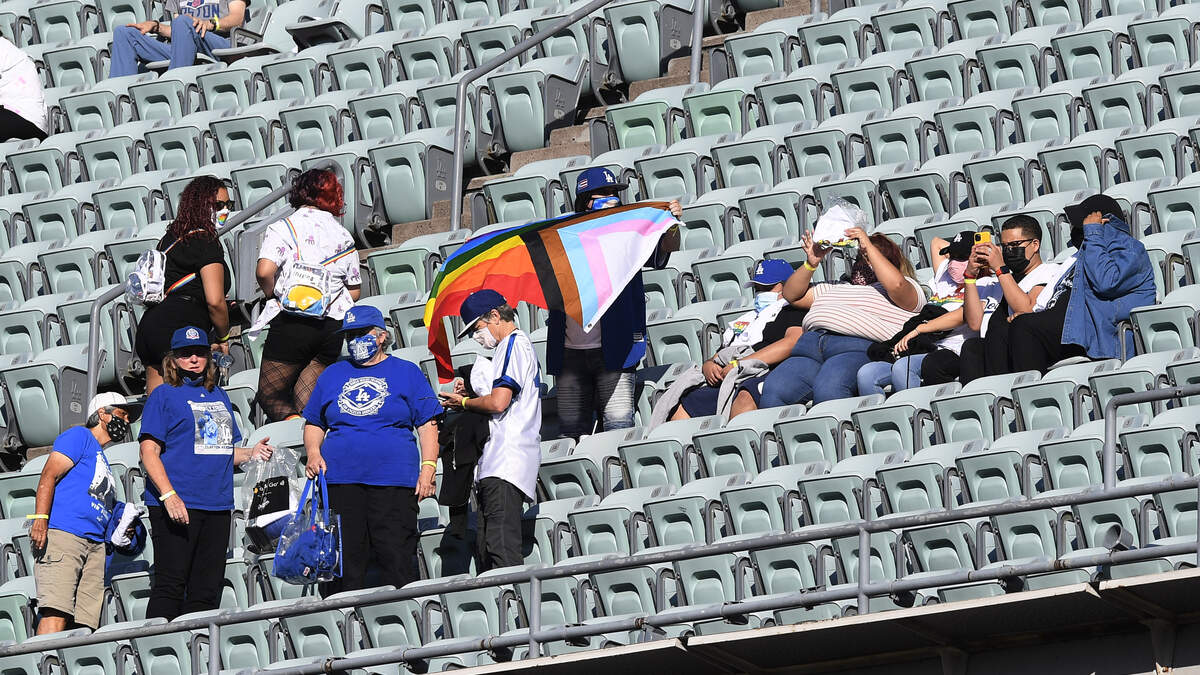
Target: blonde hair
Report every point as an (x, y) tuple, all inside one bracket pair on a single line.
[(172, 375)]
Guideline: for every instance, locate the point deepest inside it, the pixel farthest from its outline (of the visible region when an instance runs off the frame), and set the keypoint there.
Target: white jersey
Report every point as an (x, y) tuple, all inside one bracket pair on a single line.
[(20, 88), (513, 451)]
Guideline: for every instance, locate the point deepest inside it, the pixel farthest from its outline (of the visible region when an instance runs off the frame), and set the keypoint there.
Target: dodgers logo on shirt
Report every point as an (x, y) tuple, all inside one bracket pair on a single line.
[(213, 426), (363, 396)]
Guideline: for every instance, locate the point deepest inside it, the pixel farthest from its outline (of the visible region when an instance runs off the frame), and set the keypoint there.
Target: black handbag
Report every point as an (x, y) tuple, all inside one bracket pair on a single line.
[(921, 344)]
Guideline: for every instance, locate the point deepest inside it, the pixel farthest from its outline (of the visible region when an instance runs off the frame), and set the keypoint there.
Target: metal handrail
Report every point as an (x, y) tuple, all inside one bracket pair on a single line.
[(460, 97), (862, 589), (96, 354)]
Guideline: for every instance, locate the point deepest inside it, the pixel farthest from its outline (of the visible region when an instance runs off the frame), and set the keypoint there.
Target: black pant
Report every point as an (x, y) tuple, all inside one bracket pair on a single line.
[(939, 367), (189, 562), (380, 523), (18, 128), (1031, 341), (501, 505)]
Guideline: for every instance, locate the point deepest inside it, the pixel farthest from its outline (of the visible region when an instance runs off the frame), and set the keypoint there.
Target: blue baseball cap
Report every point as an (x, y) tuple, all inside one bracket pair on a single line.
[(189, 336), (770, 272), (362, 316), (475, 306), (597, 178)]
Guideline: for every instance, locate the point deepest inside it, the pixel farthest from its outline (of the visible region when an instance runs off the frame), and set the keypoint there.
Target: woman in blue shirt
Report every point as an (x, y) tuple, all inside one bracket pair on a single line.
[(360, 427), (187, 446)]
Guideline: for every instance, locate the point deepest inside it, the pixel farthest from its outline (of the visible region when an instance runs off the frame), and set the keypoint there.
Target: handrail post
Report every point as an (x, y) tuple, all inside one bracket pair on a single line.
[(699, 10), (864, 553), (535, 614), (214, 648), (460, 97)]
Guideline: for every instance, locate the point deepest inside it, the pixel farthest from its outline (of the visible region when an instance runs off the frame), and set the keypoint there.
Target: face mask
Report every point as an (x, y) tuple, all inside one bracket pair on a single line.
[(861, 273), (1015, 260), (219, 217), (485, 338), (764, 300), (605, 202), (363, 348), (956, 270), (117, 429)]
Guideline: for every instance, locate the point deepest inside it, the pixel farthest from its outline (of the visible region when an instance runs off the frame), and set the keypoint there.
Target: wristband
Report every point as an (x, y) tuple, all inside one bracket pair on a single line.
[(970, 280), (163, 498), (429, 462), (809, 267), (38, 516), (733, 363), (216, 23), (157, 24), (463, 402)]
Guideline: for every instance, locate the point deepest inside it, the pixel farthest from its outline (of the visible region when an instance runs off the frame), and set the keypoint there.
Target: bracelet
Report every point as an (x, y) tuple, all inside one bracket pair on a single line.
[(809, 267), (163, 498), (216, 23), (733, 362), (38, 516), (429, 462), (463, 403), (157, 24), (970, 280)]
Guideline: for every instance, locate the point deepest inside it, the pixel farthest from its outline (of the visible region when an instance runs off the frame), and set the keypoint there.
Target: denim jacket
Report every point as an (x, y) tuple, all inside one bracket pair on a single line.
[(1113, 274), (622, 331)]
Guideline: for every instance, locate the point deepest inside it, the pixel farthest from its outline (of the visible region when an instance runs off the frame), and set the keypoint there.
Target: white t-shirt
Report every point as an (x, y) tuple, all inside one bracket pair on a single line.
[(320, 237), (20, 88), (949, 295), (1060, 270), (747, 329), (513, 452), (578, 338), (993, 292)]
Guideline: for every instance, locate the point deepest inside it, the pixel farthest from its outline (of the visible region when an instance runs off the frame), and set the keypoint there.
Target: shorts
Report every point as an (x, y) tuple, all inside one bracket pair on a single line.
[(70, 577), (297, 339), (160, 322), (702, 401)]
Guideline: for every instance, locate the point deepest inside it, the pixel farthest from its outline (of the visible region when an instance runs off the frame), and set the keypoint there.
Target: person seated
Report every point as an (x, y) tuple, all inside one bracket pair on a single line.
[(926, 335), (766, 333), (844, 317), (1018, 278), (195, 26)]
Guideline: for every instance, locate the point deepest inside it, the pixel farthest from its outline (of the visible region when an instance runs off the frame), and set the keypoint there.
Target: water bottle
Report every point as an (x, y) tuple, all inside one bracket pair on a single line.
[(223, 360)]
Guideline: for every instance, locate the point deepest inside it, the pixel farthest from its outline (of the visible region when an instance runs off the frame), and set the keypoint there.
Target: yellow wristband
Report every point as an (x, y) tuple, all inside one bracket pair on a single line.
[(969, 280), (733, 362), (429, 462), (808, 267), (463, 402), (167, 496), (216, 23), (38, 516)]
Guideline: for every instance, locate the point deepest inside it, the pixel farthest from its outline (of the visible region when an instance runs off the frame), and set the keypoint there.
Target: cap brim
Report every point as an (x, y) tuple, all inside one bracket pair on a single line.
[(470, 327), (754, 282), (133, 409), (945, 251), (610, 186), (1075, 214), (357, 326)]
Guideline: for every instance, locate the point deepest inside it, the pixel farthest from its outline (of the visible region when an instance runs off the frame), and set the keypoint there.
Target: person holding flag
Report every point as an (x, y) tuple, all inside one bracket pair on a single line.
[(506, 475)]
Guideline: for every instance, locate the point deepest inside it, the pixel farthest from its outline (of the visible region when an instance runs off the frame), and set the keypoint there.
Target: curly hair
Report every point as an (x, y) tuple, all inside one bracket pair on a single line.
[(195, 210), (891, 250), (320, 189)]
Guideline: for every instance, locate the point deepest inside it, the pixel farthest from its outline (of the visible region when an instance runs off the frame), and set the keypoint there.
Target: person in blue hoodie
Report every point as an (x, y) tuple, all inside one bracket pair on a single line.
[(595, 369), (1077, 314)]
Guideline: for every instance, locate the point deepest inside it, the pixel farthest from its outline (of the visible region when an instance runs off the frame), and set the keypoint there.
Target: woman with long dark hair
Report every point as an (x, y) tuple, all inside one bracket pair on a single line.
[(308, 270), (197, 279)]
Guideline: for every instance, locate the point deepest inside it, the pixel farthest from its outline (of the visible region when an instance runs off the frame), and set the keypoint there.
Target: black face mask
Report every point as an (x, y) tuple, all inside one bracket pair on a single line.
[(117, 429), (861, 273), (1015, 260)]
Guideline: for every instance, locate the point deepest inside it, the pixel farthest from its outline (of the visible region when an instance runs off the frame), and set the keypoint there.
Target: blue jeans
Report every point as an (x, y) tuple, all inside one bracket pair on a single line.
[(823, 367), (587, 390), (905, 373), (130, 48)]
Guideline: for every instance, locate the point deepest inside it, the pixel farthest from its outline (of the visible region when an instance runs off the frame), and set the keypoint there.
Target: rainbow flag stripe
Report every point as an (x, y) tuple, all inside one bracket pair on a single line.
[(576, 264)]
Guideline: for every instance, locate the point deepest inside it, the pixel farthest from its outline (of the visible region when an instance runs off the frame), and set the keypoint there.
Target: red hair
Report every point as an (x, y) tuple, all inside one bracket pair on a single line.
[(195, 209), (320, 189)]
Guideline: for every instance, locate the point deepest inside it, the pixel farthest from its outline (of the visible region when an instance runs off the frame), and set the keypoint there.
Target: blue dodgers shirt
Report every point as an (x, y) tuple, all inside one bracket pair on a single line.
[(84, 497), (369, 415), (198, 431)]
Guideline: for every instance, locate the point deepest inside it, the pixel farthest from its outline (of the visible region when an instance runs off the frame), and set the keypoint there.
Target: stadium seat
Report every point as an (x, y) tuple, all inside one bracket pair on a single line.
[(637, 38), (615, 525), (405, 173), (1169, 326)]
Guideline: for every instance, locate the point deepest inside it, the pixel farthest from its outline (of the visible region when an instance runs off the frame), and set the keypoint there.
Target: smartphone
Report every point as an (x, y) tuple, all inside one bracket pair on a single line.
[(983, 237)]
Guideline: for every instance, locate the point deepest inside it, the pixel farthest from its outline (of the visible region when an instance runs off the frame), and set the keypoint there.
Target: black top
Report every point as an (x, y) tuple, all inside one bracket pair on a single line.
[(187, 257), (773, 332)]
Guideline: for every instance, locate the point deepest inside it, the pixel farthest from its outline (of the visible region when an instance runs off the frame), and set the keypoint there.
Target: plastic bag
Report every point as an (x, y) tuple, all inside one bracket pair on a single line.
[(310, 547), (272, 492)]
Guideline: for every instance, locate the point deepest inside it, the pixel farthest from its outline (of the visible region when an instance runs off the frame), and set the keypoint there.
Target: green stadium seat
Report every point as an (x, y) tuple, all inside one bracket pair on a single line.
[(636, 36), (409, 173)]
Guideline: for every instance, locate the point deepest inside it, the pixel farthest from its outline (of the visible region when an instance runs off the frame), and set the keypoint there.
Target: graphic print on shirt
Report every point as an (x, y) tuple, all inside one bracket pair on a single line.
[(200, 9), (213, 427), (363, 396), (102, 481)]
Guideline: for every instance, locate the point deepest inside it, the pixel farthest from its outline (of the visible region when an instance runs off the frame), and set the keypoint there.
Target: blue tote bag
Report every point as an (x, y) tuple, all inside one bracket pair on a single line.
[(310, 547)]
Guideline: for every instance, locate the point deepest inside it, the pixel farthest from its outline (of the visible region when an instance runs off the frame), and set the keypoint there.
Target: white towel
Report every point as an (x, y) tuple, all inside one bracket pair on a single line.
[(130, 513)]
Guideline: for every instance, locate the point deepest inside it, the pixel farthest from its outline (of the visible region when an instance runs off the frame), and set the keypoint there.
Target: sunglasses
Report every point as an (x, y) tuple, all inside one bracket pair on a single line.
[(227, 204), (188, 352), (1018, 244)]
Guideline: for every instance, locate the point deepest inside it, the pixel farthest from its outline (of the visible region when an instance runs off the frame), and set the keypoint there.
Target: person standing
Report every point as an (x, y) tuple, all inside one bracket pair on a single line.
[(595, 368), (506, 475), (372, 427), (195, 26), (74, 502), (188, 447), (307, 261), (22, 101)]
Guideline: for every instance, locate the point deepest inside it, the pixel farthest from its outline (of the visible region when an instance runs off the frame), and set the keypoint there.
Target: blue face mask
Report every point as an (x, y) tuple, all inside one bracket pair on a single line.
[(363, 348), (605, 202), (764, 300)]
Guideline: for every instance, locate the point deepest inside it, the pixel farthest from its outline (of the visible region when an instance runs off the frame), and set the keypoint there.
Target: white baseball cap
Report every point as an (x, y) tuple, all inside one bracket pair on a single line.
[(115, 400)]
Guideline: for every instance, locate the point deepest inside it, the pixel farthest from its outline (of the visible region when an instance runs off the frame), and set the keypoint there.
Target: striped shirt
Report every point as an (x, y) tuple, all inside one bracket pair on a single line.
[(860, 311)]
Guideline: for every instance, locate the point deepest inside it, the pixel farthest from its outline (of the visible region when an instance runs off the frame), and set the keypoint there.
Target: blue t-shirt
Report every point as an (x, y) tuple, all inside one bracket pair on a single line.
[(84, 497), (369, 415), (198, 430)]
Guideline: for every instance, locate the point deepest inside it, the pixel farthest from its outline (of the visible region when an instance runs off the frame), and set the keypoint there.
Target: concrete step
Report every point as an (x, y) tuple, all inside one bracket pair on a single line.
[(789, 8), (681, 66), (555, 151), (440, 222), (575, 134)]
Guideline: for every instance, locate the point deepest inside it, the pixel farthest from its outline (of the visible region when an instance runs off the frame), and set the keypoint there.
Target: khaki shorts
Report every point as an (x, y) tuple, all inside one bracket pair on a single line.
[(70, 577)]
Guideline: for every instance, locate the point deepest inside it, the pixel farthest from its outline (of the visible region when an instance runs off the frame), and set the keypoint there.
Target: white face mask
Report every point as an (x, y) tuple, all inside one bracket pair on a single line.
[(485, 338), (219, 217), (764, 300)]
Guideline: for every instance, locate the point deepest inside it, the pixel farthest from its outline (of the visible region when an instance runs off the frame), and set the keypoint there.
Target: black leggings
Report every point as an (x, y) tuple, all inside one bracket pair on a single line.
[(18, 128), (380, 523), (1031, 341), (189, 562)]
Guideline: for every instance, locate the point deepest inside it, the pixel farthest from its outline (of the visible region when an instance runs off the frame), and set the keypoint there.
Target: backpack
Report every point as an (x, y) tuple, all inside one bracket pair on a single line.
[(145, 284), (307, 289)]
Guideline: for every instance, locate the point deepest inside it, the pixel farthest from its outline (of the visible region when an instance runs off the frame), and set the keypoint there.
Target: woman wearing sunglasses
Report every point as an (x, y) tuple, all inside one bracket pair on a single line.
[(189, 440), (196, 281)]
